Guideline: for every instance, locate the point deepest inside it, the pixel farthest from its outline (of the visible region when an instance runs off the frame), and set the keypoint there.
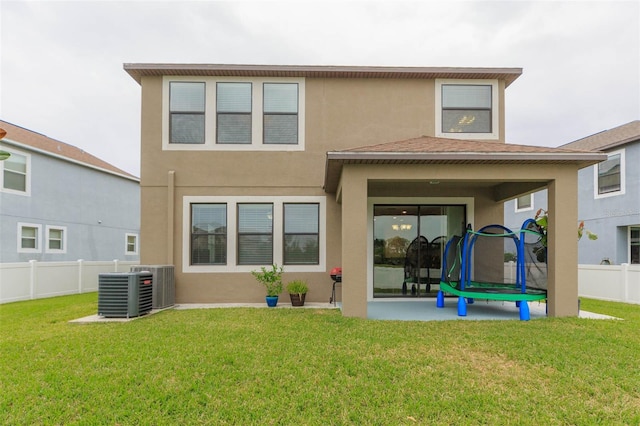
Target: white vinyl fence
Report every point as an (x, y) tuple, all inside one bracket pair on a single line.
[(36, 280), (618, 283)]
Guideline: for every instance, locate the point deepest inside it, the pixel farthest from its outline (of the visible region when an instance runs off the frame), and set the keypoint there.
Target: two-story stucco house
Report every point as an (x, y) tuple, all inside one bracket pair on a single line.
[(608, 197), (60, 203), (313, 167)]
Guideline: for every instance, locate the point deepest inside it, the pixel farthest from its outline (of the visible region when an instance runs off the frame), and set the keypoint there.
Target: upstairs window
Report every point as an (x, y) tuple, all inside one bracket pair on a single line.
[(15, 173), (466, 108), (609, 175), (219, 113), (233, 105), (186, 110), (280, 113)]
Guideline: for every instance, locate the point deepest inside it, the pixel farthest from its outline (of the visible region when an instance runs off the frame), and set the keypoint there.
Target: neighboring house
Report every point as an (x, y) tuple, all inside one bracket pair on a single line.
[(59, 203), (313, 167), (608, 197)]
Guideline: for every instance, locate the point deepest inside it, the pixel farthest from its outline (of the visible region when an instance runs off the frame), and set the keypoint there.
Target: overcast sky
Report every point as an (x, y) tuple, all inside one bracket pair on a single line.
[(61, 61)]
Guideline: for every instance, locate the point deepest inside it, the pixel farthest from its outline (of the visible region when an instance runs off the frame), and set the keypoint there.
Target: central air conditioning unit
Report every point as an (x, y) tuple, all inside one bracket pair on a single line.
[(164, 288), (124, 294)]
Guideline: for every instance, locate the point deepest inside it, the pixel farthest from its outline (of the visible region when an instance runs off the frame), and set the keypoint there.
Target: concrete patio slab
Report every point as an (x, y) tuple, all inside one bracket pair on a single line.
[(384, 309)]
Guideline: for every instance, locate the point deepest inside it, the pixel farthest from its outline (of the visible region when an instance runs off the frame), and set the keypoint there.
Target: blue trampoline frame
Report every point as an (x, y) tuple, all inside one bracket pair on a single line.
[(468, 290)]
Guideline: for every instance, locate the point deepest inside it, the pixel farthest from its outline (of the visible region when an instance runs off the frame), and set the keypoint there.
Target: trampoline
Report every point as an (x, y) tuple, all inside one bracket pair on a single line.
[(495, 263)]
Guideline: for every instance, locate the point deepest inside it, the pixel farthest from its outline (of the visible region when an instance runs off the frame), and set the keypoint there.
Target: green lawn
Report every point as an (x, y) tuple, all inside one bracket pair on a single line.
[(307, 366)]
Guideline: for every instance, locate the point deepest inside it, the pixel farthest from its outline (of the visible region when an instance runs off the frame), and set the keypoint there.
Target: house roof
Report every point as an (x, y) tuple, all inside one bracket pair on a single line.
[(28, 139), (607, 139), (433, 150), (137, 71)]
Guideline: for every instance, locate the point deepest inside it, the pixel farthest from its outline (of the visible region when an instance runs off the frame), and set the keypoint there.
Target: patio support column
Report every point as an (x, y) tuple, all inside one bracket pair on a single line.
[(562, 244), (354, 243)]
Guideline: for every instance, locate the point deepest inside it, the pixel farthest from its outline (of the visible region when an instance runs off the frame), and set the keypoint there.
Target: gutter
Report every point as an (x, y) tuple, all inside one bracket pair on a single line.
[(468, 156)]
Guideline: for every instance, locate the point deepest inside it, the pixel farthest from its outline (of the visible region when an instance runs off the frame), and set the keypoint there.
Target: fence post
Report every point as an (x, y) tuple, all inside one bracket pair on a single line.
[(32, 278), (624, 270), (80, 264), (115, 265)]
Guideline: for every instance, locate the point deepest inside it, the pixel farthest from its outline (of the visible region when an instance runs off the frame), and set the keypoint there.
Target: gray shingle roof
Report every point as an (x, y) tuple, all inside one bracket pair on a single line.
[(607, 139), (30, 139)]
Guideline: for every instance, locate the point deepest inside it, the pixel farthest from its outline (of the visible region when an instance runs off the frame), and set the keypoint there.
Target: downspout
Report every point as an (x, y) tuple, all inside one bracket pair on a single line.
[(171, 189)]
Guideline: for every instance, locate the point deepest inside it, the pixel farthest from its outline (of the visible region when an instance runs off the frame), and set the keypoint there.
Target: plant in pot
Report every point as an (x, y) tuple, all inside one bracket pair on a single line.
[(297, 290), (272, 281)]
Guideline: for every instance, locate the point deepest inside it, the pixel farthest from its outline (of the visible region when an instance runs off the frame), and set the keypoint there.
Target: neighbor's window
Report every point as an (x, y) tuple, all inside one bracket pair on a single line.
[(29, 238), (233, 105), (634, 245), (255, 234), (609, 174), (56, 239), (466, 108), (186, 110), (15, 173), (301, 234), (525, 202), (280, 113), (131, 244), (209, 234)]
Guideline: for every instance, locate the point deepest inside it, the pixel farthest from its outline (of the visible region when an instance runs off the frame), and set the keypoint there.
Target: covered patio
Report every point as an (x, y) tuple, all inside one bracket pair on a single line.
[(480, 175)]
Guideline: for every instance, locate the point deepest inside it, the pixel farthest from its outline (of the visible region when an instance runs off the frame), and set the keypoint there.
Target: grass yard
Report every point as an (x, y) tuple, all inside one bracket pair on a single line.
[(313, 367)]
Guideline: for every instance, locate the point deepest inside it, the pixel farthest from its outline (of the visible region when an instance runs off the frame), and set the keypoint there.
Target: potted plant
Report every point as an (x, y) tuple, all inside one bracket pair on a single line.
[(297, 290), (272, 281)]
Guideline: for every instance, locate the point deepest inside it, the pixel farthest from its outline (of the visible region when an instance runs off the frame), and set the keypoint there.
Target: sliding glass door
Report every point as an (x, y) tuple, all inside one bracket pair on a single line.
[(408, 242)]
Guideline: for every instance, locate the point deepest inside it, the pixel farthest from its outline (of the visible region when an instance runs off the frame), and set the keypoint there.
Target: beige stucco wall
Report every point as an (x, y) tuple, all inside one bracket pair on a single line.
[(340, 114)]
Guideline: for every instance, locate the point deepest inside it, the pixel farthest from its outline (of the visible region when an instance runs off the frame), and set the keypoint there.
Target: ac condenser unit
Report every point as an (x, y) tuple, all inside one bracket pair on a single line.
[(124, 294), (164, 289)]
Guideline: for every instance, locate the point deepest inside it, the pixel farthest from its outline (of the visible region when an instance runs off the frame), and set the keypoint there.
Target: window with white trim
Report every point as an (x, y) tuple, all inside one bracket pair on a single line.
[(208, 234), (56, 239), (280, 113), (233, 105), (609, 175), (242, 233), (186, 112), (131, 242), (29, 235), (301, 233), (524, 203), (255, 234), (634, 245), (467, 109), (15, 177), (233, 113)]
